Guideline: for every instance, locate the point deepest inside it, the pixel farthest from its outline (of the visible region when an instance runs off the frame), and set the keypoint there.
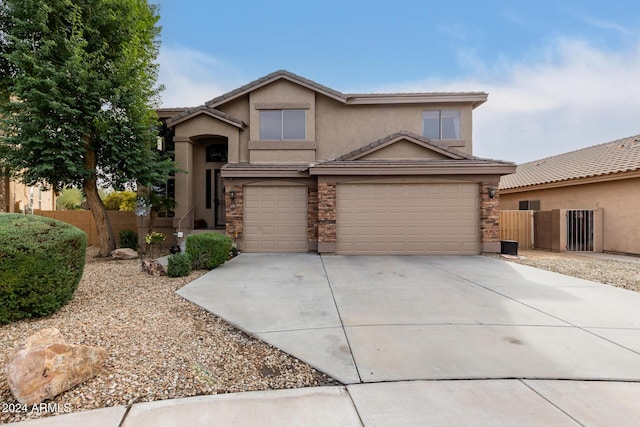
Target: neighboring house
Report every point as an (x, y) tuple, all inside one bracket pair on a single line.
[(17, 197), (284, 164), (603, 177)]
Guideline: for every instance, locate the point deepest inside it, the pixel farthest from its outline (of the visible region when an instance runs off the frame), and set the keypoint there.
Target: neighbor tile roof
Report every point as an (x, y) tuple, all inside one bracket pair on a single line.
[(622, 155)]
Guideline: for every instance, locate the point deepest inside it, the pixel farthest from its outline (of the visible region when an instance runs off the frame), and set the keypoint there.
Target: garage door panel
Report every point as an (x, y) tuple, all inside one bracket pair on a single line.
[(407, 218), (275, 219)]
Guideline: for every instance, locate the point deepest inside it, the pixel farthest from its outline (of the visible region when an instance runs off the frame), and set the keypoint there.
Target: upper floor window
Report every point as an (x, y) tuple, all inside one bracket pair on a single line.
[(441, 124), (282, 125)]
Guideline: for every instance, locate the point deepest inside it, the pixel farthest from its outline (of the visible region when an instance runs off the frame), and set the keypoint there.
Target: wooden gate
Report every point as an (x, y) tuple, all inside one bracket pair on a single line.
[(518, 226)]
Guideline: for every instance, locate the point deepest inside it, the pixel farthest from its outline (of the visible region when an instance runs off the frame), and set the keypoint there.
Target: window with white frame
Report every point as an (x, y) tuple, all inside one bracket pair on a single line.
[(441, 124), (278, 125)]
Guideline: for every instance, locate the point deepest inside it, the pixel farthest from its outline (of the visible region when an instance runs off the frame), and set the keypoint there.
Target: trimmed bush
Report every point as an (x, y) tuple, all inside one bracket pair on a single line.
[(129, 239), (208, 250), (179, 265), (41, 264)]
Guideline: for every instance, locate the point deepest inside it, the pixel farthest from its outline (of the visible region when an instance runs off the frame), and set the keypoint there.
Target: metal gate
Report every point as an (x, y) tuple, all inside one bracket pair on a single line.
[(579, 230)]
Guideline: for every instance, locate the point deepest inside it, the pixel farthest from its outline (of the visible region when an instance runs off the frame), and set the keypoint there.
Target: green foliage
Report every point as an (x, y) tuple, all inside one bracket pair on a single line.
[(154, 238), (129, 239), (179, 265), (41, 264), (70, 199), (83, 77), (120, 201), (208, 250)]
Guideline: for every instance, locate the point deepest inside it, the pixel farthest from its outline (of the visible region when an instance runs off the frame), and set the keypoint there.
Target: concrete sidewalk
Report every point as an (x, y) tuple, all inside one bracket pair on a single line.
[(417, 341)]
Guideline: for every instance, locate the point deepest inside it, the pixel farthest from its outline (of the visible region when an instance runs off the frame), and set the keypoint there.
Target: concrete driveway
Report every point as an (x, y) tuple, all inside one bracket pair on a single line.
[(426, 341), (367, 319)]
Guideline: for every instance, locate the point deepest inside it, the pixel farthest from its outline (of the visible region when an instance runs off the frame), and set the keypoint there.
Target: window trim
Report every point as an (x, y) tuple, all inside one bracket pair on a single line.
[(440, 111), (282, 123)]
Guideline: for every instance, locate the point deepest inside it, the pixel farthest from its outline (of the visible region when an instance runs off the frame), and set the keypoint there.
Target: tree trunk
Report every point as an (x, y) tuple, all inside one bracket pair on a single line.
[(99, 212)]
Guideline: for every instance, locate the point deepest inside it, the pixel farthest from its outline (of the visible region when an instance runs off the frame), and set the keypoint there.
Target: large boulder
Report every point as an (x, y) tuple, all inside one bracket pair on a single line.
[(124, 253), (44, 365)]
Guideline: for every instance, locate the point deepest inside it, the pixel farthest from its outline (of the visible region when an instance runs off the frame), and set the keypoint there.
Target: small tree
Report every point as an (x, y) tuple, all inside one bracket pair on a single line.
[(83, 83)]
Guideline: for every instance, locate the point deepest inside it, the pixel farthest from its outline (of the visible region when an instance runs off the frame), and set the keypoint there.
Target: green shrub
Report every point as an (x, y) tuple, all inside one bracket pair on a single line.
[(208, 250), (179, 265), (41, 264), (129, 239)]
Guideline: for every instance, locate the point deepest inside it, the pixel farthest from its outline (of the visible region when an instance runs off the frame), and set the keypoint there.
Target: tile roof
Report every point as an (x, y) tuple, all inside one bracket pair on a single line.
[(271, 77), (404, 134), (206, 110), (476, 97), (622, 155)]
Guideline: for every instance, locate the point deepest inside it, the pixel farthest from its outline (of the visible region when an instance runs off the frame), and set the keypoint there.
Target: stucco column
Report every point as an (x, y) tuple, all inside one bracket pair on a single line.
[(184, 184), (326, 217), (490, 217)]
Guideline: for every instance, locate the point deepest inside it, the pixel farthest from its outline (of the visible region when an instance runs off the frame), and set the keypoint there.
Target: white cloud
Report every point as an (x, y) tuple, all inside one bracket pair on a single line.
[(192, 77), (569, 96)]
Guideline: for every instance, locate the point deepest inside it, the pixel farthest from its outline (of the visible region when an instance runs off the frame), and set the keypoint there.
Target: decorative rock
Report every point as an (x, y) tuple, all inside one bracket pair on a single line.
[(124, 253), (153, 268), (44, 365)]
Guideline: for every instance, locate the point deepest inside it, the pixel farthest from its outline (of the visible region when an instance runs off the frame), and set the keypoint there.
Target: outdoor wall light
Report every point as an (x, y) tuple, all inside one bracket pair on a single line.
[(492, 192), (232, 195)]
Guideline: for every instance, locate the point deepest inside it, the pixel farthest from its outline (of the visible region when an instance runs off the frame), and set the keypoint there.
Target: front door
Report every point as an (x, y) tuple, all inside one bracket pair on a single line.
[(219, 201)]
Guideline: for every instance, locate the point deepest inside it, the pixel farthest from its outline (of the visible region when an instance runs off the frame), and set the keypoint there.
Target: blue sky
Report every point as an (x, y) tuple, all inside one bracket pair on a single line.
[(561, 75)]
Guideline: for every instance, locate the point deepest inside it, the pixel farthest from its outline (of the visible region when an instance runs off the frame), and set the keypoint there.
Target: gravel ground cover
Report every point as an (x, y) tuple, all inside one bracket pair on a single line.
[(163, 347), (622, 274), (160, 346)]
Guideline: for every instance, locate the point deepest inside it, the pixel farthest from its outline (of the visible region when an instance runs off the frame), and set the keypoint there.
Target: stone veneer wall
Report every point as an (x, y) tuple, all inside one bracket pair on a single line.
[(490, 218), (327, 212), (312, 214), (235, 212)]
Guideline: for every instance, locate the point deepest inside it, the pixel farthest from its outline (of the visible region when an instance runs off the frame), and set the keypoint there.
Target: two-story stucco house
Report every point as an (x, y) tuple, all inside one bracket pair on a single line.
[(284, 164)]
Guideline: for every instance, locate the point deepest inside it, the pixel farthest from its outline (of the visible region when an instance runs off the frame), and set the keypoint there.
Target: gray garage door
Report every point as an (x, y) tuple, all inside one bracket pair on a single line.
[(275, 219), (407, 219)]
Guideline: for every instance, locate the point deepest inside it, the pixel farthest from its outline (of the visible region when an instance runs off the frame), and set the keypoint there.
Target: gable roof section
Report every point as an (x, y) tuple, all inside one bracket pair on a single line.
[(476, 98), (403, 136), (211, 112), (622, 155), (454, 163)]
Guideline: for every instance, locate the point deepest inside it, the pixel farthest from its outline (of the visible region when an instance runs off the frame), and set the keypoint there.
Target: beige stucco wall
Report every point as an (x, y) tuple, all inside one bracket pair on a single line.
[(239, 108), (335, 127), (342, 128), (204, 125), (20, 197), (619, 199), (403, 150), (282, 94)]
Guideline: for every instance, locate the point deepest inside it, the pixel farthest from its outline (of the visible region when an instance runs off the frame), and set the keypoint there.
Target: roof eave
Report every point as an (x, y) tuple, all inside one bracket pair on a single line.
[(177, 120), (475, 98), (223, 99), (571, 182), (400, 169)]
